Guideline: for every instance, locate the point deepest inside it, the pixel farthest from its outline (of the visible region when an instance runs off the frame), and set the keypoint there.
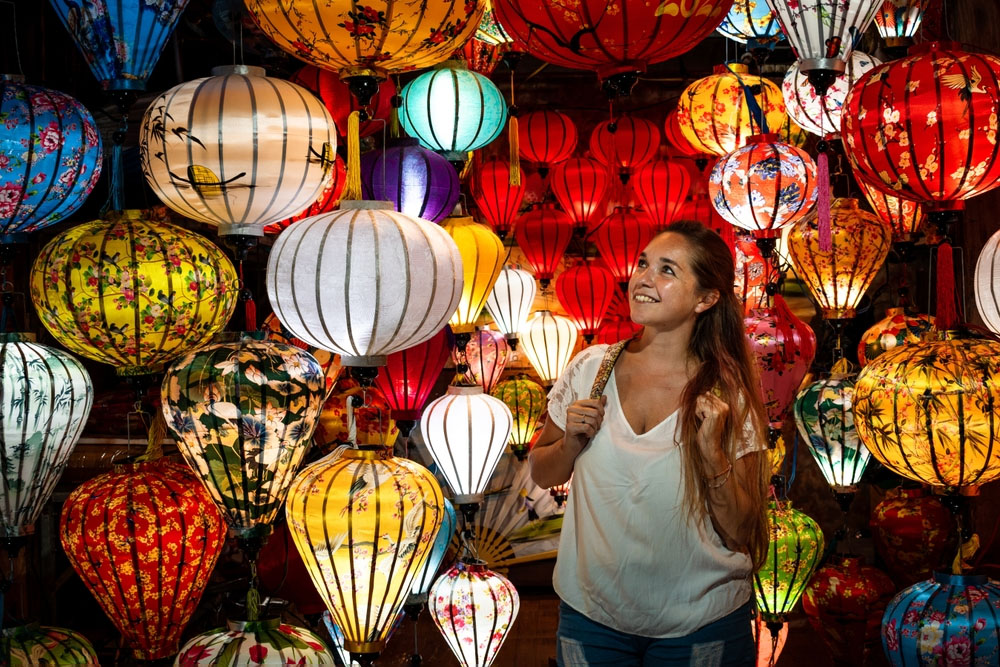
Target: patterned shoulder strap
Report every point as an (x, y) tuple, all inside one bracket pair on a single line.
[(607, 365)]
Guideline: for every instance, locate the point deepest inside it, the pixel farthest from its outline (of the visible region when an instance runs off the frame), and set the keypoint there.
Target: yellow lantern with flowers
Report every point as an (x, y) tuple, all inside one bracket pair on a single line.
[(482, 260)]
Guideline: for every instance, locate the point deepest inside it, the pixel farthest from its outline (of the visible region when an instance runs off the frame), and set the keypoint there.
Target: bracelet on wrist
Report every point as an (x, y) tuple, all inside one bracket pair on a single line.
[(725, 474)]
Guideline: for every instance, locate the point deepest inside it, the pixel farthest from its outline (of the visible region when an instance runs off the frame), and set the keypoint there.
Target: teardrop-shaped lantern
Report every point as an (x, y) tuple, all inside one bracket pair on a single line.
[(660, 187), (498, 201), (620, 238), (584, 291), (579, 185), (793, 552), (482, 258), (526, 400), (510, 302), (625, 144), (268, 642), (905, 217), (486, 357), (897, 328), (409, 376), (616, 329), (546, 138), (548, 342), (33, 644), (429, 573), (817, 114), (419, 182), (543, 234)]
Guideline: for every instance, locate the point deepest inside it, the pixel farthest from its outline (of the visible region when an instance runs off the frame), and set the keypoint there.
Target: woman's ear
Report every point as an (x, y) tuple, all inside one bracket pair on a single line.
[(707, 300)]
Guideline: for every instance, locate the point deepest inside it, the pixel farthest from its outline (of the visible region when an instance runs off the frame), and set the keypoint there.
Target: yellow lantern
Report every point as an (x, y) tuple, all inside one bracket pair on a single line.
[(927, 410), (482, 260), (839, 278), (364, 523), (132, 290), (714, 115)]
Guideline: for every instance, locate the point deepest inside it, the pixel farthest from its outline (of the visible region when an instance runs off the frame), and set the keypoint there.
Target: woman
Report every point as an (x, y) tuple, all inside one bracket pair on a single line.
[(665, 522)]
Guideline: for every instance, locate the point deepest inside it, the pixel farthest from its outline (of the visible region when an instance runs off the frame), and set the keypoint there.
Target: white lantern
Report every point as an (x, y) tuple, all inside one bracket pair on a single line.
[(364, 281), (987, 283), (509, 304), (821, 115), (549, 341), (474, 608), (466, 432), (238, 149)]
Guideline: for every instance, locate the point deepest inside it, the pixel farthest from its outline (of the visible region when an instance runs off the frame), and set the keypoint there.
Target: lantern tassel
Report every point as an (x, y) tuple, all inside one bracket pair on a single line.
[(514, 166), (352, 190), (253, 595), (965, 553), (947, 312), (154, 448), (823, 204)]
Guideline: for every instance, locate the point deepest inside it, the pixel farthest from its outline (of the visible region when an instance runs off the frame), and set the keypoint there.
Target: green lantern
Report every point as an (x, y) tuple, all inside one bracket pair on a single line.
[(526, 400), (794, 551), (33, 644)]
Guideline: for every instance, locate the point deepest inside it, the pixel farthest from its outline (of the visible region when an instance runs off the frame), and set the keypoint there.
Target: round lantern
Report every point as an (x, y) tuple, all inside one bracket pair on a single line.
[(914, 534), (620, 238), (207, 154), (480, 57), (548, 342), (584, 291), (825, 419), (579, 185), (546, 138), (625, 144), (751, 22), (409, 375), (419, 182), (453, 111), (497, 200), (364, 523), (328, 361), (510, 302), (526, 400), (428, 574), (932, 144), (821, 114), (242, 412), (949, 619), (614, 330), (144, 538), (765, 186), (793, 552), (660, 187), (926, 411), (844, 603), (474, 608), (466, 431), (905, 217), (357, 415), (132, 291), (837, 279), (269, 642), (369, 258), (482, 258), (326, 202), (678, 140), (485, 356), (338, 100), (714, 114), (897, 328), (33, 644), (50, 157), (542, 235), (986, 283), (897, 21), (45, 400)]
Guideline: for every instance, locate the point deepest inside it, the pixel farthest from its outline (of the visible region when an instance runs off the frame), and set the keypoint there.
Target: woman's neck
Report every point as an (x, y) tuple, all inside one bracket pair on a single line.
[(665, 351)]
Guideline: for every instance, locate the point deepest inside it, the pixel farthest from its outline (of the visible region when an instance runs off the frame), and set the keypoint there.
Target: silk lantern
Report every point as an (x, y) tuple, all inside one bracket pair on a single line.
[(452, 110), (50, 157), (838, 278), (769, 642), (751, 22), (497, 200), (905, 217), (625, 144), (948, 619), (132, 290), (986, 282), (548, 342), (679, 141), (33, 644), (338, 100), (579, 185), (409, 376), (479, 56), (510, 302), (369, 256), (897, 328), (486, 357), (326, 202), (355, 414), (793, 552), (752, 273), (44, 404), (364, 523), (474, 608), (465, 432), (328, 361), (660, 187), (792, 133), (914, 534), (584, 291), (715, 115), (526, 400), (482, 258), (543, 234), (419, 182), (238, 149), (268, 642), (620, 238), (820, 114), (546, 138), (144, 538), (926, 411), (897, 21), (428, 574)]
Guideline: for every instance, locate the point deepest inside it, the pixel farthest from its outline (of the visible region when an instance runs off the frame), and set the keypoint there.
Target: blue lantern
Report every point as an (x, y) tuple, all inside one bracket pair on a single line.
[(418, 181), (950, 619), (452, 110), (751, 22), (50, 157), (120, 40), (422, 583)]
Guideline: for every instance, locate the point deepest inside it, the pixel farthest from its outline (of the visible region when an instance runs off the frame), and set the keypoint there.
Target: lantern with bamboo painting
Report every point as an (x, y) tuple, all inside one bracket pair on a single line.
[(898, 327), (751, 22), (526, 400), (482, 258), (548, 342), (268, 642), (510, 302), (620, 238), (579, 185), (793, 552), (418, 181), (485, 357), (543, 234), (926, 411), (409, 376), (498, 201), (546, 138), (33, 644), (820, 114), (897, 21), (905, 217), (625, 144), (584, 291), (326, 202), (660, 187)]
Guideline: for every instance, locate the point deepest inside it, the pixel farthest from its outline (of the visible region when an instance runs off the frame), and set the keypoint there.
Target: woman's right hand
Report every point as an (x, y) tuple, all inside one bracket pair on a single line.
[(583, 418)]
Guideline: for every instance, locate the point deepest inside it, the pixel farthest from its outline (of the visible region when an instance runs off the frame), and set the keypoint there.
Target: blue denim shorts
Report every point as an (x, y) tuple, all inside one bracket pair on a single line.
[(727, 642)]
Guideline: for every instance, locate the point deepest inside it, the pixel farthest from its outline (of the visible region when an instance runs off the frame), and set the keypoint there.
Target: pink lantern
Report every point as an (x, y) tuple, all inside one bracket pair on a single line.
[(486, 356)]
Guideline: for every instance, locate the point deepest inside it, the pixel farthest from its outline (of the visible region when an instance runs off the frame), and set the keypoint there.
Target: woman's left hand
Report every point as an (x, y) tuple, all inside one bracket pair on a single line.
[(712, 411)]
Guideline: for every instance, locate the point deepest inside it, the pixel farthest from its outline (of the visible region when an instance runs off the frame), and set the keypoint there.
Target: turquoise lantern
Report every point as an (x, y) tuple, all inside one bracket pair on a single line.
[(422, 584), (452, 110)]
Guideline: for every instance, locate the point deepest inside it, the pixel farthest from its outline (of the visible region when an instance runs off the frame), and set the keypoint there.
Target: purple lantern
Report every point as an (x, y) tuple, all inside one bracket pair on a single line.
[(416, 180)]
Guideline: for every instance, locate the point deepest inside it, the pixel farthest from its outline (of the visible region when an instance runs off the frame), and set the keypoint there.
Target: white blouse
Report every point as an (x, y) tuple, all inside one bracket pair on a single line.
[(629, 558)]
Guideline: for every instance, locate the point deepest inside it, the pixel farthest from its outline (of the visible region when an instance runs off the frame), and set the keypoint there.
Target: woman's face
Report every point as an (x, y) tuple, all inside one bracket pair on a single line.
[(664, 291)]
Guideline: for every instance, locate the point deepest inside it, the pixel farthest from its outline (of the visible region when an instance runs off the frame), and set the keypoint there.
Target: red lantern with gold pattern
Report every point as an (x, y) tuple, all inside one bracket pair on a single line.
[(914, 533), (480, 56), (498, 201), (904, 216), (625, 144), (144, 538), (585, 292), (543, 234), (579, 185), (620, 239), (328, 199), (339, 101), (409, 375), (546, 138), (660, 187)]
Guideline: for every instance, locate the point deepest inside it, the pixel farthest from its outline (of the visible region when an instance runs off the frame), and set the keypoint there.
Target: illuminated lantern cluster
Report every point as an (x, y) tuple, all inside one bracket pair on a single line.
[(486, 356), (905, 217), (144, 539), (409, 376), (546, 138), (510, 302), (269, 642), (579, 185), (418, 181), (526, 400), (482, 256), (660, 187), (498, 201), (543, 234), (548, 342), (132, 291), (585, 292), (986, 283), (22, 645), (897, 328), (339, 101), (751, 22), (820, 114), (625, 144), (914, 534), (793, 552)]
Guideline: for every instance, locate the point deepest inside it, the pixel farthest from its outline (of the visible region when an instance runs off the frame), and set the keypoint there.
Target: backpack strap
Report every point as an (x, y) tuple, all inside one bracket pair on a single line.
[(607, 365)]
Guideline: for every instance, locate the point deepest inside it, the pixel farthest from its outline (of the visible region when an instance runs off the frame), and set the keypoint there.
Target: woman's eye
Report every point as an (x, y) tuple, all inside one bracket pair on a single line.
[(668, 270), (642, 264)]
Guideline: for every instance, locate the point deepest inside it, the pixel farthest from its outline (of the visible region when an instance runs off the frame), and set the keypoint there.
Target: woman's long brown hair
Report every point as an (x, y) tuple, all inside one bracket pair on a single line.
[(727, 365)]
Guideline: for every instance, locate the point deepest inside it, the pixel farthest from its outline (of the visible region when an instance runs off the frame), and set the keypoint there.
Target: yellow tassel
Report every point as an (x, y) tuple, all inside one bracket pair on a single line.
[(394, 123), (157, 430), (515, 153), (965, 553), (841, 367), (352, 190)]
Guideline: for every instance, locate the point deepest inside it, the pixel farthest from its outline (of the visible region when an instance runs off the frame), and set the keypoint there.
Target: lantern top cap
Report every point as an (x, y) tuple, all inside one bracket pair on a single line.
[(470, 564), (949, 579), (244, 70), (17, 337), (366, 205), (731, 68), (464, 390)]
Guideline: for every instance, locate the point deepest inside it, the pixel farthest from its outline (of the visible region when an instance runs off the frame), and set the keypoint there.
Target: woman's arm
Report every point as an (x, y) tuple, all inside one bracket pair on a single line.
[(555, 451)]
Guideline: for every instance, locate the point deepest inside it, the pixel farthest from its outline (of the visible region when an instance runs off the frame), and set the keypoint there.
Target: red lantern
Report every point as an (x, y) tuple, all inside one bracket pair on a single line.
[(144, 538), (585, 292), (479, 56), (486, 355), (661, 187), (339, 101), (620, 239), (543, 234), (614, 330), (675, 137), (913, 533), (625, 144), (409, 375), (328, 199), (700, 209), (751, 274), (579, 185), (546, 138), (925, 127), (498, 200)]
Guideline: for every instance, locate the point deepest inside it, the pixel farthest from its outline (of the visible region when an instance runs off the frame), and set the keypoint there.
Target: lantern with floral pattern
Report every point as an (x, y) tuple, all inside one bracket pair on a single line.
[(679, 141), (751, 22), (914, 534), (751, 274), (897, 328), (268, 642), (480, 56), (526, 400), (355, 414), (905, 217), (486, 357), (793, 552), (33, 644), (328, 361), (548, 342), (818, 114), (546, 137)]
